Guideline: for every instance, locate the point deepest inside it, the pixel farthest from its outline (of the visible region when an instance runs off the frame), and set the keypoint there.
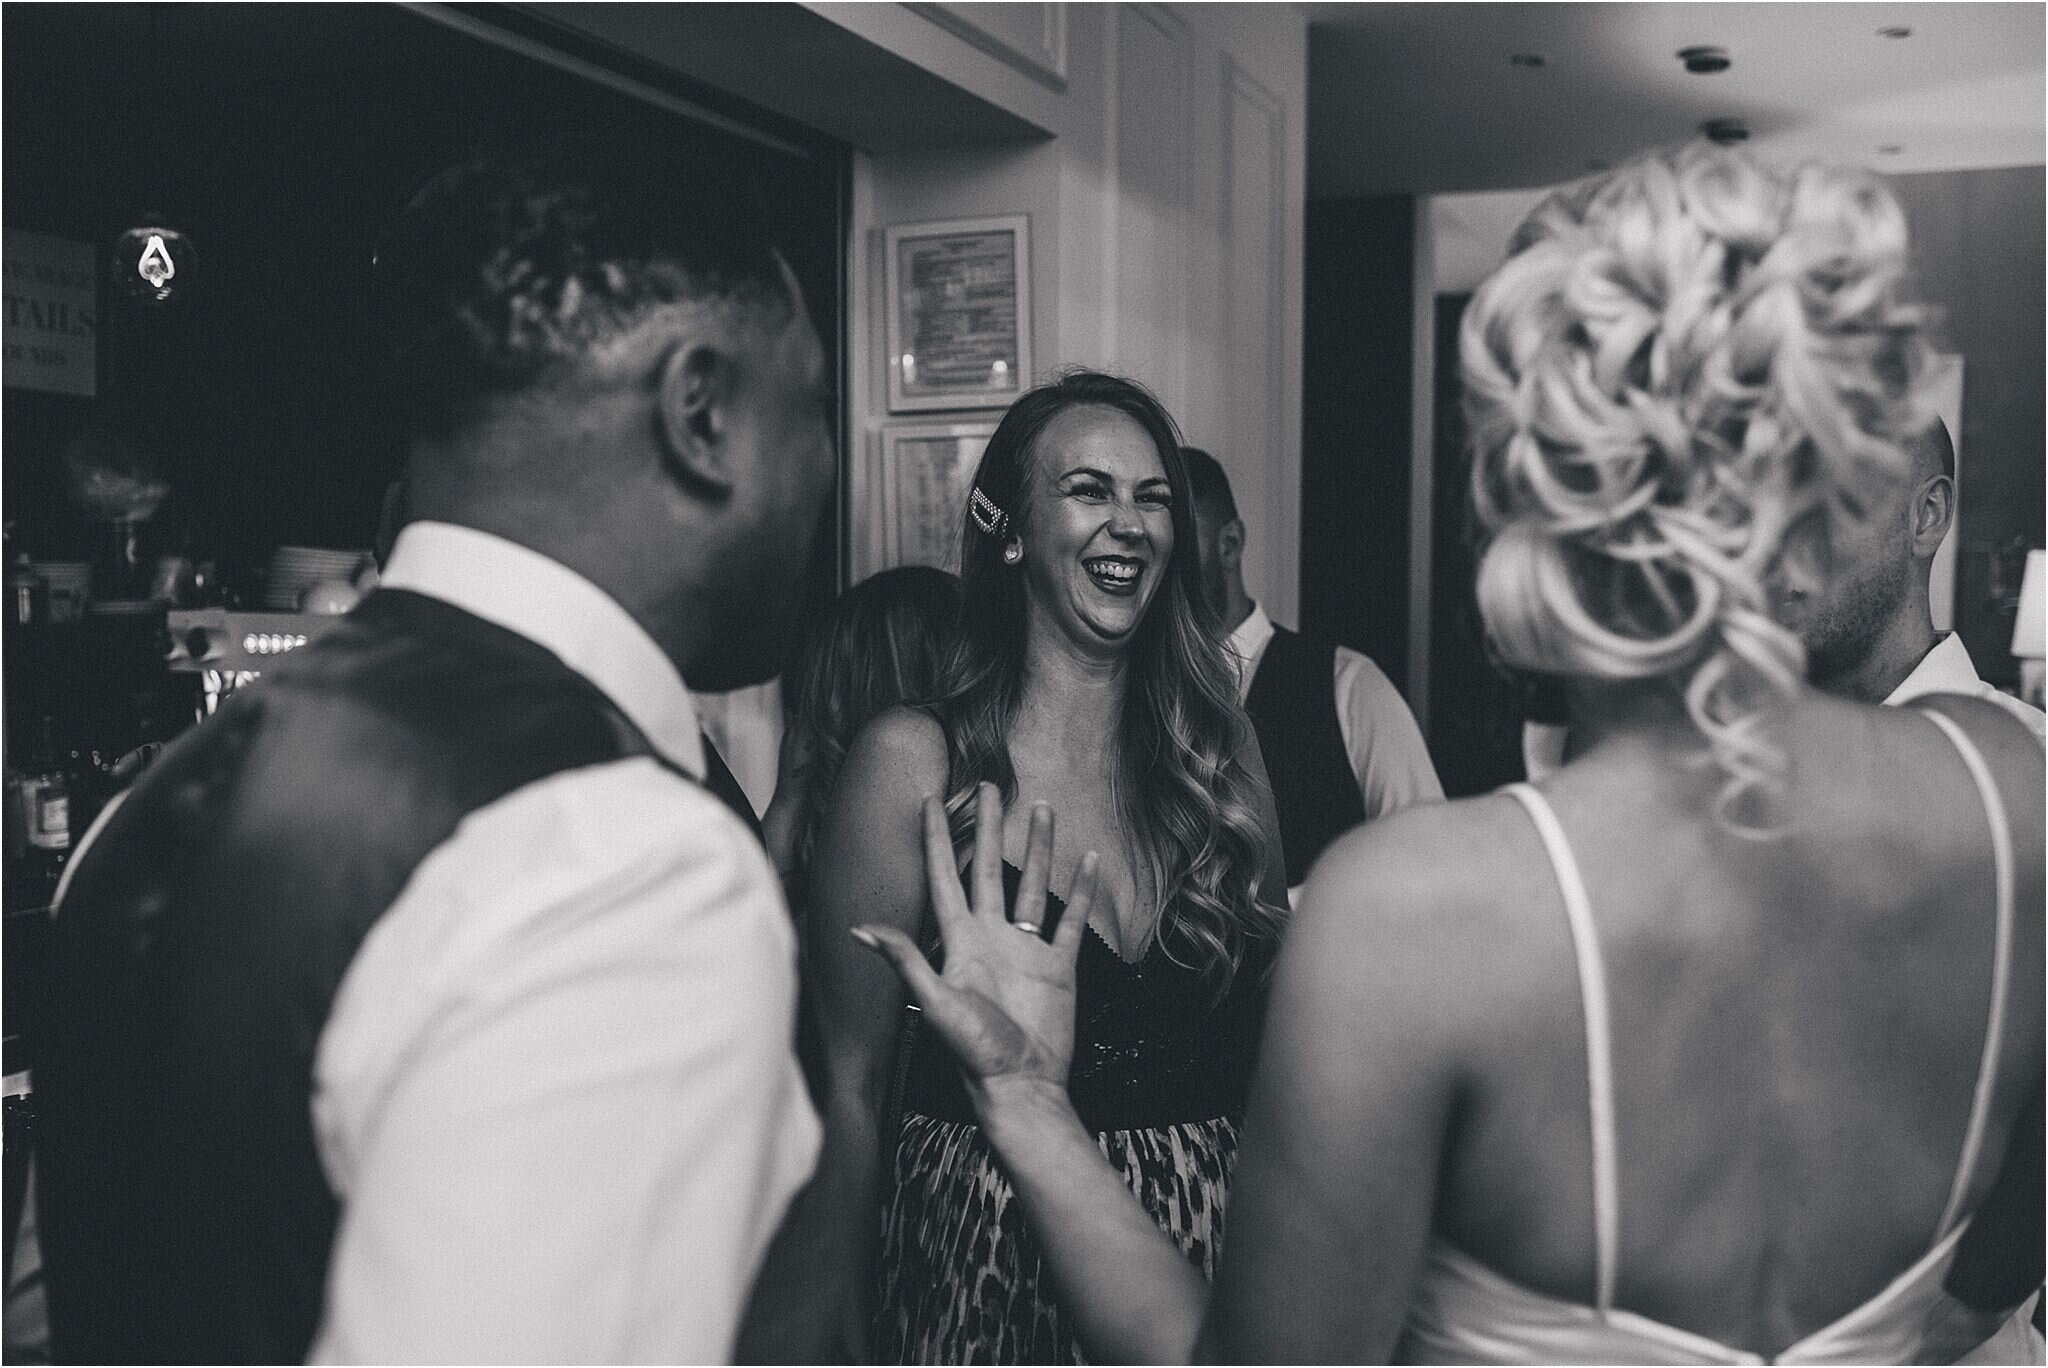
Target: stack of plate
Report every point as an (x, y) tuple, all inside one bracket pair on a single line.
[(293, 568)]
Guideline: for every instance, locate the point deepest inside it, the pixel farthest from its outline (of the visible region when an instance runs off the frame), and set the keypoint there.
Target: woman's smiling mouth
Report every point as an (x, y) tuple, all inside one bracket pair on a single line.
[(1114, 574)]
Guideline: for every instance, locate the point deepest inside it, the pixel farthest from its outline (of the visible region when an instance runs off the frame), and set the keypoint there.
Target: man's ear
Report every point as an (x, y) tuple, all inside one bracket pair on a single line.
[(1230, 543), (693, 416), (1934, 508)]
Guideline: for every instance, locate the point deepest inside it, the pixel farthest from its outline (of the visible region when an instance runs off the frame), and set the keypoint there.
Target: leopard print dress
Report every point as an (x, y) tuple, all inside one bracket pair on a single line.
[(1160, 1073)]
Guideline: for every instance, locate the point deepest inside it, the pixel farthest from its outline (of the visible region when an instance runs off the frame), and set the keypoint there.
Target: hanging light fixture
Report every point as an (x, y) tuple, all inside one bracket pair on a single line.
[(153, 261)]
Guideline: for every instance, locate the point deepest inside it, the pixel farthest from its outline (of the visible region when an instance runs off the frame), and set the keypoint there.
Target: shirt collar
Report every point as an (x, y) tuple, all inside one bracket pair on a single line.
[(1247, 643), (1947, 668), (551, 605)]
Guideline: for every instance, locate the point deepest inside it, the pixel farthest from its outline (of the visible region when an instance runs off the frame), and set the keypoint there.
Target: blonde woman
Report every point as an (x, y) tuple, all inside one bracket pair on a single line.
[(1706, 1050)]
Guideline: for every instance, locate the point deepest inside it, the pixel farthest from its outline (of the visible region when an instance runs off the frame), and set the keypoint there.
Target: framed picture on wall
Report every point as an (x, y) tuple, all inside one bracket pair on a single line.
[(926, 470), (959, 313)]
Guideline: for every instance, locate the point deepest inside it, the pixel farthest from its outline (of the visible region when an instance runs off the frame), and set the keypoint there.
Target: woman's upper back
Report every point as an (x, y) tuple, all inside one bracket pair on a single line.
[(1797, 1023)]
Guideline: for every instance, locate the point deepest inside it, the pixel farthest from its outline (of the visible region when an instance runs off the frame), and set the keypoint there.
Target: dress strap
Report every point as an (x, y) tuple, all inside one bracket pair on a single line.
[(1578, 910), (2001, 963)]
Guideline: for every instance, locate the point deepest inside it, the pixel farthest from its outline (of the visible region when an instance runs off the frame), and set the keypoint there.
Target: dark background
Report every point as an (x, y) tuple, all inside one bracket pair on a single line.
[(279, 139)]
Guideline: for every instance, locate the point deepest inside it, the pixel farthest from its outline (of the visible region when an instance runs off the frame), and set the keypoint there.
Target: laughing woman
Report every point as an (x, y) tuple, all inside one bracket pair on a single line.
[(1090, 678)]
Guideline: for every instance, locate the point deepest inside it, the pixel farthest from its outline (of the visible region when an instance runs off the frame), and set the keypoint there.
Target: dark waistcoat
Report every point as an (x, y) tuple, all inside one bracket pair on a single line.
[(1293, 706), (184, 1212)]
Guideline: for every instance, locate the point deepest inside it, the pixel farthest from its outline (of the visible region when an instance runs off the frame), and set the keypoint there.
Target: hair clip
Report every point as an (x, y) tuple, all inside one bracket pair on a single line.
[(990, 519)]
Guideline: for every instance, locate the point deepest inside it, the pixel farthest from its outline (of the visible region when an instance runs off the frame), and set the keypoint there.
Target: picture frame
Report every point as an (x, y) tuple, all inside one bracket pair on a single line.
[(923, 474), (958, 314)]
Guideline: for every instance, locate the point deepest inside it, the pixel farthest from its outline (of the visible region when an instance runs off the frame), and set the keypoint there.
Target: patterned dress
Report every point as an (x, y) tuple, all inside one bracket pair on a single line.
[(1160, 1072)]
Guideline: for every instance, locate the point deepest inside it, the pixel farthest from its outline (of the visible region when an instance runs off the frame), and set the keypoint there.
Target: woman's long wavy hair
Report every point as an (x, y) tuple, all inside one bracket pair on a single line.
[(884, 642), (1186, 801), (1677, 363)]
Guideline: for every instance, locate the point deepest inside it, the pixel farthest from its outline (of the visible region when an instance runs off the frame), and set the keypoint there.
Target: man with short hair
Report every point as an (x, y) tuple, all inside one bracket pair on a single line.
[(1869, 632), (1338, 740), (423, 1005), (1868, 627)]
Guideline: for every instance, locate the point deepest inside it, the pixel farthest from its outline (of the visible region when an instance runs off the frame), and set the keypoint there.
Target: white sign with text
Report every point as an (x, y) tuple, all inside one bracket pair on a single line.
[(52, 313)]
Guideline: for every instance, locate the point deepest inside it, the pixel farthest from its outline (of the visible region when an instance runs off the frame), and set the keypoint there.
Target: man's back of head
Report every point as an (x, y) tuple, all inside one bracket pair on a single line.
[(1219, 534), (513, 270), (1209, 485), (601, 356)]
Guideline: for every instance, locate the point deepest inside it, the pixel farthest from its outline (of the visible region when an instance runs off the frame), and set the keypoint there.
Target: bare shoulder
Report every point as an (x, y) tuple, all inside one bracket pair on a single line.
[(1427, 860), (2013, 754), (2009, 745), (869, 863), (902, 748), (1432, 896)]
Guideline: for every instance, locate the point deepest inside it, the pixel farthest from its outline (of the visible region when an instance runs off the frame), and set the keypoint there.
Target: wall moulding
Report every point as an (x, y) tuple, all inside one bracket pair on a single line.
[(1152, 231), (1253, 226), (1032, 39)]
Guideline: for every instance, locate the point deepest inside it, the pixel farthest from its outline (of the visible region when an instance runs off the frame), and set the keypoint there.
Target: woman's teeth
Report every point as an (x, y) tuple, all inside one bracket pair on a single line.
[(1113, 572)]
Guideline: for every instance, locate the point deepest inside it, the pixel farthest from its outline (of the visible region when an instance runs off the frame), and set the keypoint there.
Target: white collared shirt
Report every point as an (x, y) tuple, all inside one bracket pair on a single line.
[(1381, 741), (556, 1093), (1947, 668)]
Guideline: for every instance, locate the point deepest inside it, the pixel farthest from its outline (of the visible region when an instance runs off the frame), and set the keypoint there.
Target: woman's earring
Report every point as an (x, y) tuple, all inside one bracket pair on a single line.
[(1013, 553)]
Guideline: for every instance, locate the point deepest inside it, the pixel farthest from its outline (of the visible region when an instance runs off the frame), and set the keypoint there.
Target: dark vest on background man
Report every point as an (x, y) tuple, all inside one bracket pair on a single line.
[(184, 1213), (1293, 706)]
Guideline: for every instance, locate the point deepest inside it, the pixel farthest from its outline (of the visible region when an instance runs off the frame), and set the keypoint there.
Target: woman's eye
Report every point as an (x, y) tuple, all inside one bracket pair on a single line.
[(1156, 498), (1088, 490)]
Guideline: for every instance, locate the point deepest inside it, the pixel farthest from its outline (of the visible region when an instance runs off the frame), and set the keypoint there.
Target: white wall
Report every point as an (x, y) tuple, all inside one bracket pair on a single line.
[(1165, 198), (1166, 216)]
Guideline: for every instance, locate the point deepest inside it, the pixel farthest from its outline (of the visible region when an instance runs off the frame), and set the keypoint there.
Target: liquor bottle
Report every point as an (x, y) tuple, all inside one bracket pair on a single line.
[(46, 805), (17, 819)]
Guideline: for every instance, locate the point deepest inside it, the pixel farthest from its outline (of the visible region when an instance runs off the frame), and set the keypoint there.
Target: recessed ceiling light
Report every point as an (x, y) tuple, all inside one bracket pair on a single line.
[(1531, 60), (1895, 31), (1705, 61), (1891, 149), (1726, 132)]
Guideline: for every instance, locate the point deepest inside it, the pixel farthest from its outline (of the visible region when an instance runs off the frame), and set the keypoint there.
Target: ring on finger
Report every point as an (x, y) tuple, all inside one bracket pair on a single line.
[(1025, 926)]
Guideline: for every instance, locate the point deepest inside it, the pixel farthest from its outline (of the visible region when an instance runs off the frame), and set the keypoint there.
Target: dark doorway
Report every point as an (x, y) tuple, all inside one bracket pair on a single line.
[(1475, 707), (1357, 314)]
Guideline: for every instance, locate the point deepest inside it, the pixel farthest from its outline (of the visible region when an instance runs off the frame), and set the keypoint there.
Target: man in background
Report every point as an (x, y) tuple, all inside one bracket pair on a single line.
[(422, 1005), (1338, 740), (1869, 632), (1869, 628)]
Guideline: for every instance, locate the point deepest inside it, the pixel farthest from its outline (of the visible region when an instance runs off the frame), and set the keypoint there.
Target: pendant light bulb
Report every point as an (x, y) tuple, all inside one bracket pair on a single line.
[(155, 261)]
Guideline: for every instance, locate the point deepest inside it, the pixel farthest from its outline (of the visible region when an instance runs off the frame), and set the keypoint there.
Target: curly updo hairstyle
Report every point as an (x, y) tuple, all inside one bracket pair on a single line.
[(1678, 362)]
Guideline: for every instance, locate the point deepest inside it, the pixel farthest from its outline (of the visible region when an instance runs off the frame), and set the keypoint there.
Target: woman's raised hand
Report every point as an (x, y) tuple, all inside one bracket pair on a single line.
[(1005, 1002)]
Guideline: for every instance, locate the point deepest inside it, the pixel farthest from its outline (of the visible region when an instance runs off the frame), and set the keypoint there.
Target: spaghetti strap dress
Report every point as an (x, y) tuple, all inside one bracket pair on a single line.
[(1465, 1312)]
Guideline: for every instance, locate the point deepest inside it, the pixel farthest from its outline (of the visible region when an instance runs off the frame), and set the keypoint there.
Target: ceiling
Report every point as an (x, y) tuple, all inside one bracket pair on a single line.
[(1422, 98)]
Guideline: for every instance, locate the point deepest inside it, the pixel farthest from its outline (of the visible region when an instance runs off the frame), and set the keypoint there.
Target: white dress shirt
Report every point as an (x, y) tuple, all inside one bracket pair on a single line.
[(556, 1094), (1948, 669), (1382, 742)]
